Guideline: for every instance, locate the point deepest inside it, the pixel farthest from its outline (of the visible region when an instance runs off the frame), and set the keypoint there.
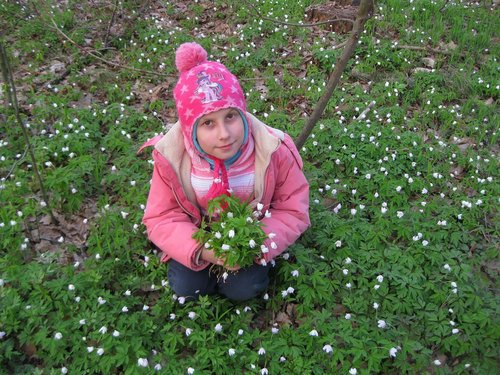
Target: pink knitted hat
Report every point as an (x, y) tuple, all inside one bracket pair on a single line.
[(203, 87)]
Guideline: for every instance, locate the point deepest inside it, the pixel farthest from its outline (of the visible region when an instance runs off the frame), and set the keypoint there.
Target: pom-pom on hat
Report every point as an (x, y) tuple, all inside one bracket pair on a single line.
[(203, 87)]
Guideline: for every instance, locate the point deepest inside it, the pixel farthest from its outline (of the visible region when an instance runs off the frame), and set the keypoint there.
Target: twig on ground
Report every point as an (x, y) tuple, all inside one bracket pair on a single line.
[(340, 45), (428, 49), (16, 163), (444, 6), (107, 62), (363, 114)]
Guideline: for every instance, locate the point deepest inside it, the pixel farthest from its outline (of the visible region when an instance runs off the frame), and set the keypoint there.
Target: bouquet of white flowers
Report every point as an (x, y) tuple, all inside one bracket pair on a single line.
[(232, 231)]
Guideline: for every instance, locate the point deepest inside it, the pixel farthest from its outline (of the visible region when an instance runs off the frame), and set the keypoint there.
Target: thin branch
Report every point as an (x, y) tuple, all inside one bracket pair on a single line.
[(364, 10), (5, 75), (340, 45), (110, 24), (12, 87), (250, 5), (363, 114), (107, 62), (427, 49), (16, 163), (444, 5)]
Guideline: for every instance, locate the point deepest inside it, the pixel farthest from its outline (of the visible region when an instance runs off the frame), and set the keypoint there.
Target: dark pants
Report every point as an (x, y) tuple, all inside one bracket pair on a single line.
[(242, 285)]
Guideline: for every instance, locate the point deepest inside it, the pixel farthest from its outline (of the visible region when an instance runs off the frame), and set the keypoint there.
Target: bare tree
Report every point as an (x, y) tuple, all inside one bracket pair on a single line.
[(364, 12)]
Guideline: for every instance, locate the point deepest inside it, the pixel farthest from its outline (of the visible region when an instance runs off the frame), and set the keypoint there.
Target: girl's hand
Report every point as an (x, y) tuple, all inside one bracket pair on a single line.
[(209, 256)]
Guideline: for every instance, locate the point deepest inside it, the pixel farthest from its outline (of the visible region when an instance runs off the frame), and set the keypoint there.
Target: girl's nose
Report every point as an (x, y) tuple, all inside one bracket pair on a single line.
[(223, 132)]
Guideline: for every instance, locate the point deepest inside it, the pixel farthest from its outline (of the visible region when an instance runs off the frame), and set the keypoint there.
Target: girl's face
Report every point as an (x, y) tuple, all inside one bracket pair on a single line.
[(221, 133)]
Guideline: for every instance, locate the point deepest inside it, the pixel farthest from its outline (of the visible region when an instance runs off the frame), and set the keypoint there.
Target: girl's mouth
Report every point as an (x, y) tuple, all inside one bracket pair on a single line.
[(226, 147)]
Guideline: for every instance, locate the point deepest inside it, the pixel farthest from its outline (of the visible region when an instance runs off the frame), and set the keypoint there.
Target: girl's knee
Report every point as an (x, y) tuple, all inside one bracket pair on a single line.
[(188, 283), (243, 291)]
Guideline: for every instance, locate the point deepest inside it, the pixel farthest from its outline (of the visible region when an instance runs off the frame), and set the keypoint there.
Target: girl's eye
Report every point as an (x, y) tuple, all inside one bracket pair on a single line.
[(207, 123), (230, 116)]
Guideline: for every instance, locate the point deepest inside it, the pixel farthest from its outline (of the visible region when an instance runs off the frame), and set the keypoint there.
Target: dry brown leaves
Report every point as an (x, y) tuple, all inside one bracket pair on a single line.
[(54, 238), (334, 10)]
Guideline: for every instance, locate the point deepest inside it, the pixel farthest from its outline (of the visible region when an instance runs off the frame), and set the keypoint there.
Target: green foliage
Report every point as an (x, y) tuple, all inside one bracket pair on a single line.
[(398, 273), (232, 231)]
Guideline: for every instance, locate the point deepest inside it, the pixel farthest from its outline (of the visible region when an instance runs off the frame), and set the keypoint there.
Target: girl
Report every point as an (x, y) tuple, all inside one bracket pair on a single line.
[(216, 146)]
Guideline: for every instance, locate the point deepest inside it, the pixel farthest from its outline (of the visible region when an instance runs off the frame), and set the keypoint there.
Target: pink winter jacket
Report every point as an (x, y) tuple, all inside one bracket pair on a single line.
[(172, 215)]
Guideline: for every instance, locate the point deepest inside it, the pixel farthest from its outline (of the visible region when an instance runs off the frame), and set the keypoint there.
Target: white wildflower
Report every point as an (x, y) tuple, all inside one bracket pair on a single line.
[(142, 362), (327, 348), (392, 352)]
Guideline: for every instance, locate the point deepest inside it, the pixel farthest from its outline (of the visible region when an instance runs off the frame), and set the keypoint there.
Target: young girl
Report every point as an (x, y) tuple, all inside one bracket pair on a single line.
[(216, 147)]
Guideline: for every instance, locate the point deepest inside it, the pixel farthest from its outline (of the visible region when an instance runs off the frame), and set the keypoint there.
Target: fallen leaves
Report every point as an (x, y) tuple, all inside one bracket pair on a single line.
[(341, 13), (50, 238)]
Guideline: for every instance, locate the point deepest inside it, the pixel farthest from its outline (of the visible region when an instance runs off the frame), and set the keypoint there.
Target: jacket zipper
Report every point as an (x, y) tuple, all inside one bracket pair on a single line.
[(182, 206), (264, 189)]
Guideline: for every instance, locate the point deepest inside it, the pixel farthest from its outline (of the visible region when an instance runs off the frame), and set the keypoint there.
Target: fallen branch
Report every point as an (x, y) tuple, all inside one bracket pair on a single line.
[(363, 114), (15, 164), (107, 62), (427, 49), (444, 6), (363, 14), (340, 45)]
